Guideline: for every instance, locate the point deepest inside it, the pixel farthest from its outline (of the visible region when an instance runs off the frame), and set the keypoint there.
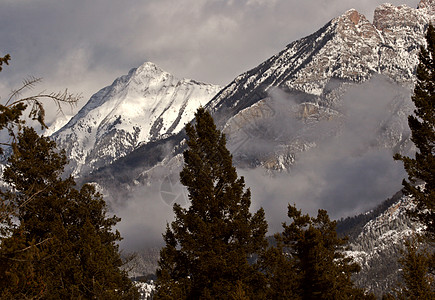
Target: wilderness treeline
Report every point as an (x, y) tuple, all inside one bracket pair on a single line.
[(57, 240)]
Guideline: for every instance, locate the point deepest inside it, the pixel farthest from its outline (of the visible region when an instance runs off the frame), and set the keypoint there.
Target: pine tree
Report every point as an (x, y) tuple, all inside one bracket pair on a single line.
[(415, 272), (210, 245), (63, 236), (421, 169), (12, 119), (316, 253), (281, 272)]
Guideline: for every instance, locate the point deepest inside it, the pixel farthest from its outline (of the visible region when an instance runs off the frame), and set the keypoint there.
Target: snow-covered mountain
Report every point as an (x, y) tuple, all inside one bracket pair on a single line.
[(145, 105), (295, 101), (305, 83), (313, 75), (348, 48), (299, 98)]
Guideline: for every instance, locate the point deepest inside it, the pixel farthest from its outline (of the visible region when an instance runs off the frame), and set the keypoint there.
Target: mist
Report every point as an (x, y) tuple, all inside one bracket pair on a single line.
[(347, 173), (349, 168), (149, 208)]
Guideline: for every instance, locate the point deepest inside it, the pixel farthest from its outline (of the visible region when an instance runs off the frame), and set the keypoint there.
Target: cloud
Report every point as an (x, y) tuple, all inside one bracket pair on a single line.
[(85, 45), (143, 219), (345, 174)]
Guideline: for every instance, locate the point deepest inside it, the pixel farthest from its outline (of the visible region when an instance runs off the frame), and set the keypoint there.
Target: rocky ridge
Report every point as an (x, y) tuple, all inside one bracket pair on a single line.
[(315, 72)]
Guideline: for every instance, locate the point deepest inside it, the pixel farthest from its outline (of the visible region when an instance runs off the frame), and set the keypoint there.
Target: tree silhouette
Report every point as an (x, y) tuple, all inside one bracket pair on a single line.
[(211, 246), (313, 264)]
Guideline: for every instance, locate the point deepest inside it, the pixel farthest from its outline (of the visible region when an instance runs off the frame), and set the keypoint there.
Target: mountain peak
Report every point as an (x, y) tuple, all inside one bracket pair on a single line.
[(354, 16), (149, 67), (147, 104)]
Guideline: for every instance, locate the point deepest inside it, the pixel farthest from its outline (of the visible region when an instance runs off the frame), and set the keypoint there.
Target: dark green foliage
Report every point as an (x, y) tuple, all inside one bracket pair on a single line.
[(209, 244), (415, 273), (421, 169), (353, 226), (314, 263), (4, 60), (63, 246), (281, 273)]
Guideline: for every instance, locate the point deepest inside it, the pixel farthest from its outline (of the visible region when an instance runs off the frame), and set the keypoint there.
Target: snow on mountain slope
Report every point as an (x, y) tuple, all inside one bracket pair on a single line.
[(314, 75), (348, 48), (145, 105), (378, 247), (61, 121), (298, 98)]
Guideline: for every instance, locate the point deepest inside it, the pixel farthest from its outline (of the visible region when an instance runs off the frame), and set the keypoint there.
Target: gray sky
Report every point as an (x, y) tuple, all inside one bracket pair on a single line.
[(83, 45)]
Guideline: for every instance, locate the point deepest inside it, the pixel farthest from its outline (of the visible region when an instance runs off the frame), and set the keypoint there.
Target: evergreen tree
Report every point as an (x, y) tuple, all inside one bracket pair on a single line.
[(415, 273), (210, 245), (421, 169), (316, 255), (63, 245), (12, 120), (281, 272)]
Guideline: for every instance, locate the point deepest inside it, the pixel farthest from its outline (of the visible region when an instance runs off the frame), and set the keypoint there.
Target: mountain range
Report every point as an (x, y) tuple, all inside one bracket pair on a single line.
[(334, 103), (306, 82)]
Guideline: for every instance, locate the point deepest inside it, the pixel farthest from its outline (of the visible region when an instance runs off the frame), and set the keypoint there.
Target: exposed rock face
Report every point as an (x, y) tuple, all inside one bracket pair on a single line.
[(143, 106), (349, 48)]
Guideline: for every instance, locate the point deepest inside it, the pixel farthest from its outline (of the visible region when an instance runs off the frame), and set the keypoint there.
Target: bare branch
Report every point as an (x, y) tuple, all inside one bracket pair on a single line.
[(37, 111), (31, 246), (32, 197), (28, 83)]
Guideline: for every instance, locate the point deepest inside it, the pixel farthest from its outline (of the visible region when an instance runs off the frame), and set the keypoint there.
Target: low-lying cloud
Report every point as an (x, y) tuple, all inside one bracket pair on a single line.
[(348, 173)]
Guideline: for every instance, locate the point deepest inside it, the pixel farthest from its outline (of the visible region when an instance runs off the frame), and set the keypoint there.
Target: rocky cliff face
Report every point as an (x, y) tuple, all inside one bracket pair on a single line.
[(145, 105)]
